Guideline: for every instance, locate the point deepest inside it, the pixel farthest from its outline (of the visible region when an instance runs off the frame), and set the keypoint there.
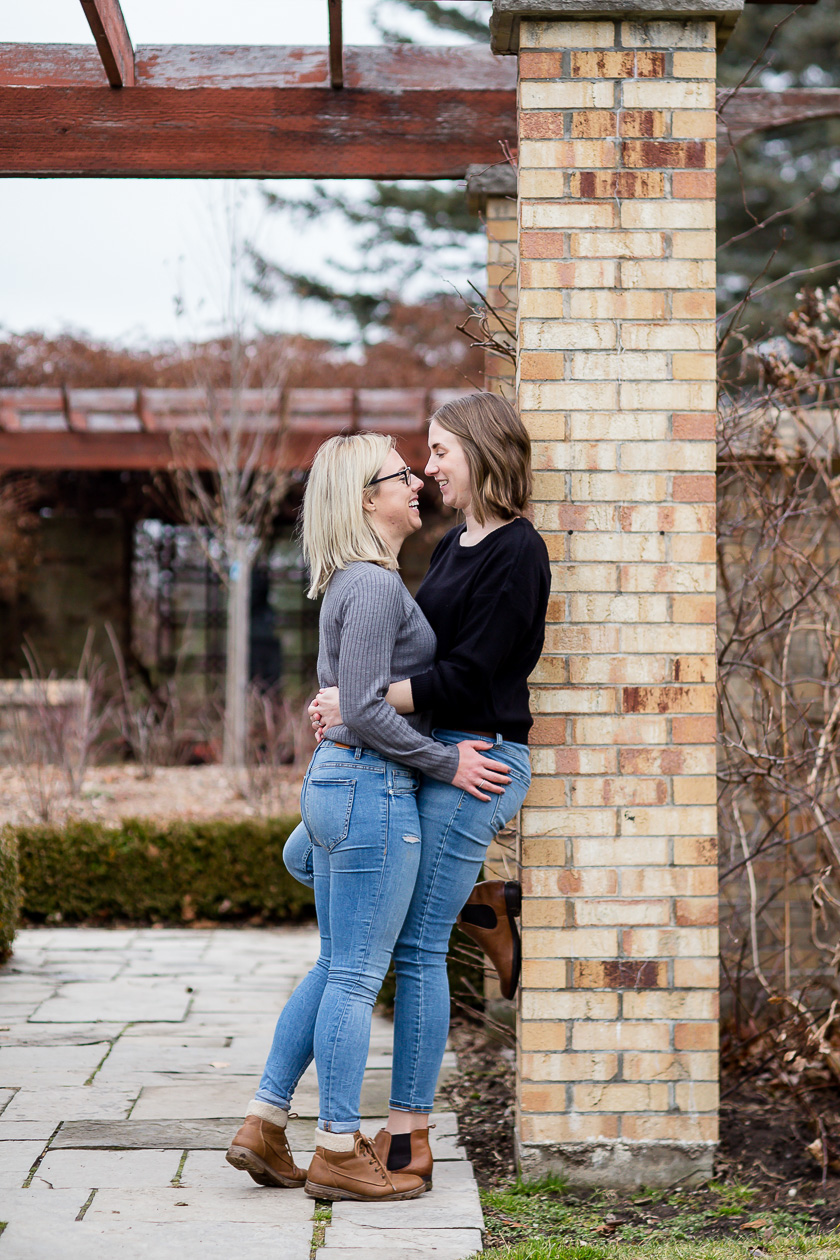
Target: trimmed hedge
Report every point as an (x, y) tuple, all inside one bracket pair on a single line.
[(10, 892), (145, 871)]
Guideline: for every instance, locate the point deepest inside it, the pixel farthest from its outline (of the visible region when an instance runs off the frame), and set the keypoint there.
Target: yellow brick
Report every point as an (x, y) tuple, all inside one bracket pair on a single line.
[(584, 577), (664, 34), (667, 395), (668, 215), (571, 214), (569, 396), (617, 305), (622, 729), (557, 882), (540, 1098), (569, 1067), (660, 1004), (668, 336), (582, 273), (616, 245), (687, 821), (613, 911), (696, 973), (569, 1128), (551, 671), (615, 669), (618, 487), (540, 304), (669, 1128), (679, 882), (571, 700), (620, 608), (621, 1097), (583, 34), (613, 853), (694, 367), (551, 455), (545, 1036), (641, 426), (619, 547), (568, 822), (620, 1036), (541, 183), (693, 124), (695, 791), (668, 456), (542, 425), (566, 94), (656, 94), (633, 790), (694, 548), (667, 273), (568, 335), (694, 850), (552, 154), (568, 1005), (682, 638), (565, 638), (670, 942), (695, 65), (623, 366), (669, 1067), (691, 1096)]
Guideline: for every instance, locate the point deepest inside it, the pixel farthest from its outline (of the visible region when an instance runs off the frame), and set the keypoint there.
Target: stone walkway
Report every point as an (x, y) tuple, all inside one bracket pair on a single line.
[(126, 1061)]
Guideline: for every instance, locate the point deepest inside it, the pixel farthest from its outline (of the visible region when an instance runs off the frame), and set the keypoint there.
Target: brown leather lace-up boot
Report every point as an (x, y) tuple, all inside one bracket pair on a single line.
[(261, 1149), (489, 919), (358, 1174), (406, 1153)]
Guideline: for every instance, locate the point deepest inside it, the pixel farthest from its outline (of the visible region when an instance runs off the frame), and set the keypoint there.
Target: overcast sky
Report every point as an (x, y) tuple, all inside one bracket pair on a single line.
[(111, 257)]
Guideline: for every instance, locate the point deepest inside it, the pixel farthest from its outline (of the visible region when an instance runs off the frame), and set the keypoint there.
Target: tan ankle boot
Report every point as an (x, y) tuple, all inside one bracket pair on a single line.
[(406, 1153), (489, 919), (262, 1150), (358, 1174)]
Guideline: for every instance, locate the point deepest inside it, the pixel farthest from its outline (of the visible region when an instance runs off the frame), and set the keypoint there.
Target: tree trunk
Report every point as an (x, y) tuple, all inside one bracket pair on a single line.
[(236, 666)]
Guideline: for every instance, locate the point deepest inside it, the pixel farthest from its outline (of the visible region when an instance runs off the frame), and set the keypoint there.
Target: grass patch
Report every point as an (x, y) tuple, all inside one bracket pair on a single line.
[(146, 872), (546, 1220)]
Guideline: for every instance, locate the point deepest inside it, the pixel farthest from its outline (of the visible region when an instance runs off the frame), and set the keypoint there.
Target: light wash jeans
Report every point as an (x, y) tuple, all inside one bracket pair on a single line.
[(456, 831), (360, 811)]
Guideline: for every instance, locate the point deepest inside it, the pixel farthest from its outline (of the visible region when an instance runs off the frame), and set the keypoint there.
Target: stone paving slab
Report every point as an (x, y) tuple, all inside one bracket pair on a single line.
[(66, 1170), (143, 1240), (170, 1030), (248, 1203)]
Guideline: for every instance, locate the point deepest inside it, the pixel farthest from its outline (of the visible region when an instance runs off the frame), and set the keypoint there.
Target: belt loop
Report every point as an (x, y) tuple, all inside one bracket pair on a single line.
[(499, 738), (358, 754)]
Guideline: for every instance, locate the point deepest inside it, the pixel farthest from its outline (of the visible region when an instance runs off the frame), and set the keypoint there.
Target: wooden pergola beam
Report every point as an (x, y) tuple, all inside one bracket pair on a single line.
[(107, 24), (336, 45), (272, 113)]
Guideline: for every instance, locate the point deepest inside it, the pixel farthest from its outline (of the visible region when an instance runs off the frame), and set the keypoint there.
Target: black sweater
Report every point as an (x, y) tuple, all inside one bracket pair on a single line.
[(487, 606)]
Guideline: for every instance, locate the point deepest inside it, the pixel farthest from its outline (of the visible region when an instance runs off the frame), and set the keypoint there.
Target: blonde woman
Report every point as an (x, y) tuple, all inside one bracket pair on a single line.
[(360, 809)]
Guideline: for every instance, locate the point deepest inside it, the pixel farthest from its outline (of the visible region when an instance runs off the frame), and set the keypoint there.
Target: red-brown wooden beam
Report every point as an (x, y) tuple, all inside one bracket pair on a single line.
[(424, 113), (107, 24), (752, 110), (153, 452)]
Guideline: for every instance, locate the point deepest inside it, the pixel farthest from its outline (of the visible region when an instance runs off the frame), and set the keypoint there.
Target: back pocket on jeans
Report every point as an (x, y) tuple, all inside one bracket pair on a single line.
[(326, 805)]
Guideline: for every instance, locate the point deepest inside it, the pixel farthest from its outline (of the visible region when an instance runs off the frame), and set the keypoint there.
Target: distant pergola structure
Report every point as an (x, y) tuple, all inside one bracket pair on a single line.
[(592, 131)]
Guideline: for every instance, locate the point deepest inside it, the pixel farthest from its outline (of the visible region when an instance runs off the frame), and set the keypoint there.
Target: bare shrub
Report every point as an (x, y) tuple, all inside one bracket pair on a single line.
[(779, 689), (279, 735), (152, 722)]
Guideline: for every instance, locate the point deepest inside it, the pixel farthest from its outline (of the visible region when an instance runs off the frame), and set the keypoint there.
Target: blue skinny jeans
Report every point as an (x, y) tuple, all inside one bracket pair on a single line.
[(363, 832), (456, 831)]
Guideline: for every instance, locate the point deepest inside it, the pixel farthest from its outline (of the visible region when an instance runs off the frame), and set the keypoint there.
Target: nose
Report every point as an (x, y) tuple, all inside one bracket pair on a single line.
[(431, 467), (416, 482)]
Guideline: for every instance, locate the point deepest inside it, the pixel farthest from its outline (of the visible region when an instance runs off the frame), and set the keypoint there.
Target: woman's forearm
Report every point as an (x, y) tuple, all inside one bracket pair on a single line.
[(399, 696)]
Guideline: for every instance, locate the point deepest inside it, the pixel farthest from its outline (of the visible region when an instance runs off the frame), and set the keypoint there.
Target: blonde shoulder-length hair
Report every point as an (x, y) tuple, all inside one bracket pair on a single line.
[(336, 530)]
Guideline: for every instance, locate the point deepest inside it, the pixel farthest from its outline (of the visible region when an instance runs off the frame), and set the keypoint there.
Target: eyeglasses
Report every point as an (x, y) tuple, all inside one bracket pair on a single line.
[(404, 475)]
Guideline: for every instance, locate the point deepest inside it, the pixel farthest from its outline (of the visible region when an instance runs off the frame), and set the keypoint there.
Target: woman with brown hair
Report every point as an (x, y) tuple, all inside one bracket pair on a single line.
[(485, 596)]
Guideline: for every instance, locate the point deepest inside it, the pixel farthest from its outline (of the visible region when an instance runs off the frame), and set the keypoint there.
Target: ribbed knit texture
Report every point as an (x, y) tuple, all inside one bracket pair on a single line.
[(372, 634)]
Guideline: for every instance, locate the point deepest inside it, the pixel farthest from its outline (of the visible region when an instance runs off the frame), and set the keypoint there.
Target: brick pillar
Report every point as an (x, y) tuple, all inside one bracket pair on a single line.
[(616, 382), (491, 193)]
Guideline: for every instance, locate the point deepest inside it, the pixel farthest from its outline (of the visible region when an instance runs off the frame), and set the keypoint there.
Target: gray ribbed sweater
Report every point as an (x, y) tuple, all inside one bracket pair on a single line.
[(372, 634)]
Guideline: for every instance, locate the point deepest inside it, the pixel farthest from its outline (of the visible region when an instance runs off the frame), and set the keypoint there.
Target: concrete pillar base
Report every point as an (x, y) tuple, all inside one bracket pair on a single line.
[(618, 1165)]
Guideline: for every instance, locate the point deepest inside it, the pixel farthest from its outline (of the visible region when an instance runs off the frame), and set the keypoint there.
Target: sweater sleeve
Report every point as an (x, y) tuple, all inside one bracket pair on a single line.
[(503, 604), (371, 615)]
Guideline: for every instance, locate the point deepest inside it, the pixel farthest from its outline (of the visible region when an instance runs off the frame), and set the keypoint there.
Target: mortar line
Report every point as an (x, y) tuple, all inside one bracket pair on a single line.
[(32, 1171), (86, 1204), (111, 1045)]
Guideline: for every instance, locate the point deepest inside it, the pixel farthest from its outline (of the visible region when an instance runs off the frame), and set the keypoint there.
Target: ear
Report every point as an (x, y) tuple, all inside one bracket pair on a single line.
[(368, 505)]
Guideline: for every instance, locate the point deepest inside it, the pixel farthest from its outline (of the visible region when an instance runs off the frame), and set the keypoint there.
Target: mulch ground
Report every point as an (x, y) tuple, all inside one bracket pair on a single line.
[(766, 1177)]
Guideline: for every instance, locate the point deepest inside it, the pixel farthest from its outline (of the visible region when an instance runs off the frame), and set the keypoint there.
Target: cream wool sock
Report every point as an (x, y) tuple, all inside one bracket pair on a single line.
[(335, 1141), (267, 1111)]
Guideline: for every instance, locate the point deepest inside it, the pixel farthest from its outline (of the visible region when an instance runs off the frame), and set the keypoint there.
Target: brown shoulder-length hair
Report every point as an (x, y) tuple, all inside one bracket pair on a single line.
[(497, 449)]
